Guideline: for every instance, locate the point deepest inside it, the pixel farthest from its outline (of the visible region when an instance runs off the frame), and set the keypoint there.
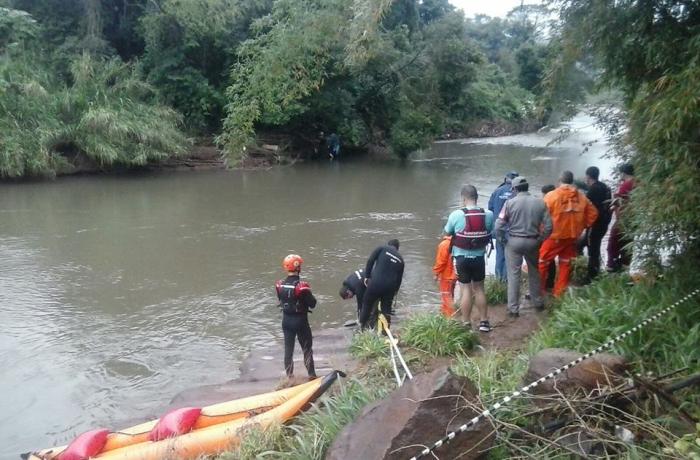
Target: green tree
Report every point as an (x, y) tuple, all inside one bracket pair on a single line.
[(651, 51)]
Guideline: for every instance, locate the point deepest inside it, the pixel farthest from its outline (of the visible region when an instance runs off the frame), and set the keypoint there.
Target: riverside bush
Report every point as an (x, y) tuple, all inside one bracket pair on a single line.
[(107, 115), (437, 335)]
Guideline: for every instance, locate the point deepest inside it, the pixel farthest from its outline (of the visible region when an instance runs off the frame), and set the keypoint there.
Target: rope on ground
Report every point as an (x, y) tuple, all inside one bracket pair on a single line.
[(393, 347), (488, 412)]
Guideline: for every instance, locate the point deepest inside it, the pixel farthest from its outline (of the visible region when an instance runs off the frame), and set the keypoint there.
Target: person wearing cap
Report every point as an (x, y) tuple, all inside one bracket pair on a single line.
[(383, 276), (499, 196), (571, 214), (526, 221), (618, 250), (296, 300)]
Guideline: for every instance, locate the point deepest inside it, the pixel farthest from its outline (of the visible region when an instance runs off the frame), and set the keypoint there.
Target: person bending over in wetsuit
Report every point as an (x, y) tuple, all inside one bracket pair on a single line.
[(383, 275), (296, 300), (354, 285)]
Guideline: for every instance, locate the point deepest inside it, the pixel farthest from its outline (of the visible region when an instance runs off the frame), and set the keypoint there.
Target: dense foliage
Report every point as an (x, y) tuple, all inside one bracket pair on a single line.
[(389, 73), (651, 51), (103, 116), (416, 74)]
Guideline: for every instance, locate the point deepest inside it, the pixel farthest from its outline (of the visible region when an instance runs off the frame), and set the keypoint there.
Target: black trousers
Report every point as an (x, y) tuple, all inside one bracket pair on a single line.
[(296, 326), (595, 238), (376, 292)]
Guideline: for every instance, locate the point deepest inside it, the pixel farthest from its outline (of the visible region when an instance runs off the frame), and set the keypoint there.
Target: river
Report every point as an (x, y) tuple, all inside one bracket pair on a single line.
[(117, 292)]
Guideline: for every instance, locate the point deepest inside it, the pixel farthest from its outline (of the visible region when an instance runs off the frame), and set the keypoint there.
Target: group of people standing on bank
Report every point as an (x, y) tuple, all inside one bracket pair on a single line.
[(547, 233), (541, 231)]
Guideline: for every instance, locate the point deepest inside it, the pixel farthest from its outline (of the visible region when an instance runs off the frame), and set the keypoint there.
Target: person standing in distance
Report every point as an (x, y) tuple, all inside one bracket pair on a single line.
[(528, 224), (470, 228), (296, 300), (383, 276), (503, 193)]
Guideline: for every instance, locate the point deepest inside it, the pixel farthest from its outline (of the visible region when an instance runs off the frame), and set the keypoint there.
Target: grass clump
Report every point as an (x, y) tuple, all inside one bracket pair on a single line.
[(312, 432), (368, 345), (437, 335), (610, 306), (496, 291)]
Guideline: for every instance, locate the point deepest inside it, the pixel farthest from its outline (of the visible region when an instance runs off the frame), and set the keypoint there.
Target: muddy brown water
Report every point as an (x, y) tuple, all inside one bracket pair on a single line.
[(119, 292)]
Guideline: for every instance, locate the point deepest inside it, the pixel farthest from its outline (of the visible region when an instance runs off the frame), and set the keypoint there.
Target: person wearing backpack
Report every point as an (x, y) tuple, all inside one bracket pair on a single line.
[(296, 300), (470, 228)]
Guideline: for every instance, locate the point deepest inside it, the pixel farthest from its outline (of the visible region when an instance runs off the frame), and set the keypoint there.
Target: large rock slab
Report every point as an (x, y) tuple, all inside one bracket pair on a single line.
[(602, 370), (419, 413)]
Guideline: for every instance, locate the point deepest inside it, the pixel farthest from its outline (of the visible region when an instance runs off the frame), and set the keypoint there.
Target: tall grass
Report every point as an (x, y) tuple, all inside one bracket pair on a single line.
[(595, 313), (106, 116), (312, 432), (496, 291), (437, 335)]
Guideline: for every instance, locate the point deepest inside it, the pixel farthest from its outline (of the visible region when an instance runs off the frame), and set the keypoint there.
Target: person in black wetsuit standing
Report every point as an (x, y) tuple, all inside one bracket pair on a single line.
[(354, 285), (383, 275), (296, 300), (600, 196)]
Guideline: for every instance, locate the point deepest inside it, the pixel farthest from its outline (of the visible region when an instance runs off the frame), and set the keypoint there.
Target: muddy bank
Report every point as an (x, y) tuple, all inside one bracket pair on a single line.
[(262, 370)]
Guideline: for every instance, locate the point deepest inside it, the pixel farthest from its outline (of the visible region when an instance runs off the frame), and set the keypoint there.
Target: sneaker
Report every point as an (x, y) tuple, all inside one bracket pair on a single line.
[(484, 326)]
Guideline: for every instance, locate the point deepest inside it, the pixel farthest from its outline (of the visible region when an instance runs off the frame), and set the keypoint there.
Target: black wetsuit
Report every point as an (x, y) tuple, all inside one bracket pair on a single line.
[(296, 325), (384, 272), (599, 194), (355, 283)]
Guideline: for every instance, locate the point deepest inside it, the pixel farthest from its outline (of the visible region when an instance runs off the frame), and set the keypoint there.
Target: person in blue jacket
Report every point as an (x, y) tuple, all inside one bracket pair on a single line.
[(498, 198)]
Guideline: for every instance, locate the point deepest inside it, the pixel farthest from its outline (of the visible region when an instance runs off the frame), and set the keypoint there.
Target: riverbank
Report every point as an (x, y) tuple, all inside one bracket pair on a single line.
[(583, 319), (270, 150)]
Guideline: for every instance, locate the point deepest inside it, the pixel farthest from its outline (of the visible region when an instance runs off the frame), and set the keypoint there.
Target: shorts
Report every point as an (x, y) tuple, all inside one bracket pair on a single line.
[(470, 269)]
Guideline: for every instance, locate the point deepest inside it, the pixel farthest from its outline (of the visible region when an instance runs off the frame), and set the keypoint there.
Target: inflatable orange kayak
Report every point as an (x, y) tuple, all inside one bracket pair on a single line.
[(223, 436), (211, 415)]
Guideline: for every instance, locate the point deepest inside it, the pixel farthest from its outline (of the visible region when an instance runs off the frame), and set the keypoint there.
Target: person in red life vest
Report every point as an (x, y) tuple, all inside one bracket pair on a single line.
[(445, 276), (618, 249), (470, 228), (571, 214), (296, 300)]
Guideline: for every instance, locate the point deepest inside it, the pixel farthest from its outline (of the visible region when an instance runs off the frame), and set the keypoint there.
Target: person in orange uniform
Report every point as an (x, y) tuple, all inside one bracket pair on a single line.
[(571, 213), (444, 271)]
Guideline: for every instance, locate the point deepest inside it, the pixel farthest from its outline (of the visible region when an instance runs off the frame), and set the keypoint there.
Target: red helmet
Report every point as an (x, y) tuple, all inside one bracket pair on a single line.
[(292, 263)]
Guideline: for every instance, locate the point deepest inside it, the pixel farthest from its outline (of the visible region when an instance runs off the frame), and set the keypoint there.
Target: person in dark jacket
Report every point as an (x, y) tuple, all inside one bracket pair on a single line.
[(600, 196), (296, 300), (498, 198), (354, 286), (383, 276)]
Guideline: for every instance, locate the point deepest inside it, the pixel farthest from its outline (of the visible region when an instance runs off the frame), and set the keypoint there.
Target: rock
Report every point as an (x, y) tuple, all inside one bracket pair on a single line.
[(419, 413), (601, 370)]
